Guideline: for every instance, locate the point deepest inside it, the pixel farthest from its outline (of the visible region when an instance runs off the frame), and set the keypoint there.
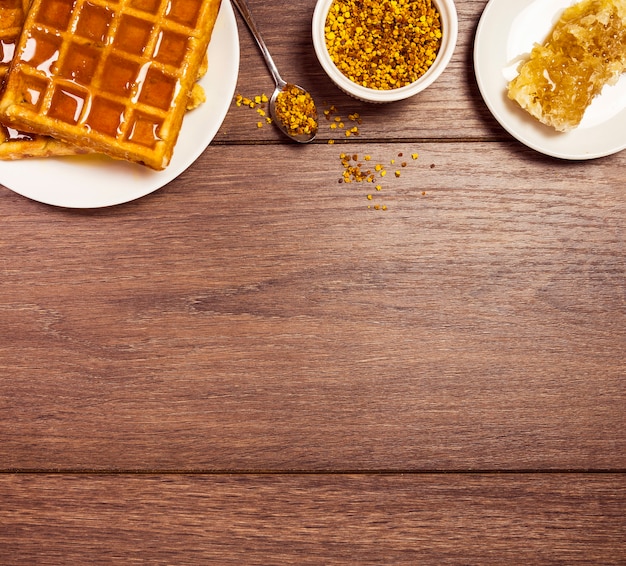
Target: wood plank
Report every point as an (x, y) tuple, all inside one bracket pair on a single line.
[(256, 315), (380, 519), (451, 108)]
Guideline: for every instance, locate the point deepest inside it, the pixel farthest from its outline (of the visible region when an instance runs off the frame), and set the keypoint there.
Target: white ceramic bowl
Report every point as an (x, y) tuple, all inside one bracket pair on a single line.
[(449, 29)]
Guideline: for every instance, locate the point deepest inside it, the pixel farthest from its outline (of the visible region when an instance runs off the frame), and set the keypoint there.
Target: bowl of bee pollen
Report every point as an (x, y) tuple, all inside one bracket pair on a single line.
[(384, 50)]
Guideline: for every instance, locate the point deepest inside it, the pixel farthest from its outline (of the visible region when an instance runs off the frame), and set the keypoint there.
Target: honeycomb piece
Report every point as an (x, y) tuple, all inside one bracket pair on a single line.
[(94, 74), (585, 50)]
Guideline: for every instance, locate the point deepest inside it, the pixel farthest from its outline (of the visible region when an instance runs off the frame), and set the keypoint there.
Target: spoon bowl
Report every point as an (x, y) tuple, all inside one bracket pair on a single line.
[(293, 112)]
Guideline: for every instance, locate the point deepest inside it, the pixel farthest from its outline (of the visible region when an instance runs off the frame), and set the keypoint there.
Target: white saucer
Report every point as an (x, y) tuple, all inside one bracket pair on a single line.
[(96, 181), (507, 31)]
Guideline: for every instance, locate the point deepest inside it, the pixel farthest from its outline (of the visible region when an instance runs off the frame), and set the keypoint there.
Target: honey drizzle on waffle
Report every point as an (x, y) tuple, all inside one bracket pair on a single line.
[(113, 74)]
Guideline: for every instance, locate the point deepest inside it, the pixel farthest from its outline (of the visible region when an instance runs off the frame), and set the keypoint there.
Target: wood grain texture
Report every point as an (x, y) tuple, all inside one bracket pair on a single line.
[(379, 519), (257, 315), (262, 317)]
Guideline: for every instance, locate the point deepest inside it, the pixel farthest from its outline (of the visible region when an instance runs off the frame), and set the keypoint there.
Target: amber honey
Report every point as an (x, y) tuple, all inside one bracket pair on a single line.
[(10, 134), (7, 48)]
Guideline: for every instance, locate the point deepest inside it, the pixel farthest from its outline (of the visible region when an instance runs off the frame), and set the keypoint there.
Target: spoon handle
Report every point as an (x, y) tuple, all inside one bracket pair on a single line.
[(244, 10)]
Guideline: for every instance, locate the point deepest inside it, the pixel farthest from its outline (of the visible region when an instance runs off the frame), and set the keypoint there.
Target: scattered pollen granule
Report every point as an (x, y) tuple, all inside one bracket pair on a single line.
[(336, 123), (257, 103), (357, 170)]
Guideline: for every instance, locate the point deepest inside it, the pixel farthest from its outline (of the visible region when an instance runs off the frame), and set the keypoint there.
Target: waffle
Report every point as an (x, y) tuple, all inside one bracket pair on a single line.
[(15, 144), (112, 76)]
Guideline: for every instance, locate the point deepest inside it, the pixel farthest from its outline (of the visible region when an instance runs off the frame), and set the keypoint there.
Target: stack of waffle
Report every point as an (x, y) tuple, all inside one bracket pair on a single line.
[(107, 76)]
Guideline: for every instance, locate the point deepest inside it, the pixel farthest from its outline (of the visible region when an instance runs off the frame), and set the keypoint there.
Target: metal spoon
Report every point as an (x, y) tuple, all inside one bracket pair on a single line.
[(281, 85)]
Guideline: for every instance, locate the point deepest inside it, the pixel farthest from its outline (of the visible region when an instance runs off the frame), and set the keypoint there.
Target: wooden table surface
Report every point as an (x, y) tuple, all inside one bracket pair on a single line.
[(254, 365)]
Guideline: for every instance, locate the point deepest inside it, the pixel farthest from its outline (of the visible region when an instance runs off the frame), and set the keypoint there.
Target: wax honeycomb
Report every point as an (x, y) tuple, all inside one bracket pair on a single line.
[(585, 50)]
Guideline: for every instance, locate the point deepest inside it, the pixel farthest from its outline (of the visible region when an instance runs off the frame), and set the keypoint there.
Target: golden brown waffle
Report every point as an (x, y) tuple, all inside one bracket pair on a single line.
[(15, 144), (109, 76)]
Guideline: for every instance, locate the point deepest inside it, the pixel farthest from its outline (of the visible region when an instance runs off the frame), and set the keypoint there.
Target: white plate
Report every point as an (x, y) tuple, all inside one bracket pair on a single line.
[(95, 181), (507, 31)]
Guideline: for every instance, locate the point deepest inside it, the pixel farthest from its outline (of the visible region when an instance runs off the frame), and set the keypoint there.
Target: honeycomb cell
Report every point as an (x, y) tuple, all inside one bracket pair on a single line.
[(67, 103), (105, 116), (132, 35), (150, 6), (144, 129), (157, 89), (171, 48), (32, 90), (119, 75), (94, 22), (55, 13), (42, 51), (80, 64), (183, 11)]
